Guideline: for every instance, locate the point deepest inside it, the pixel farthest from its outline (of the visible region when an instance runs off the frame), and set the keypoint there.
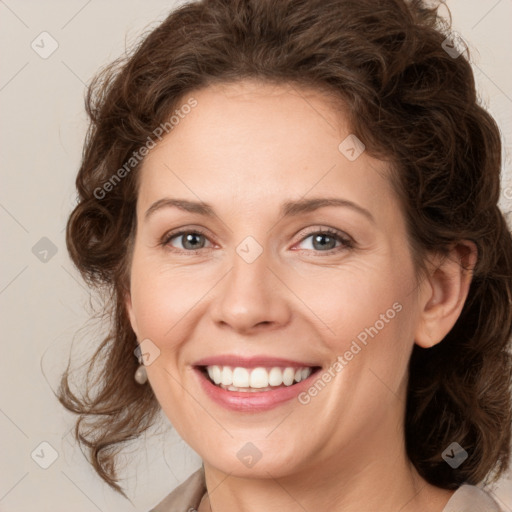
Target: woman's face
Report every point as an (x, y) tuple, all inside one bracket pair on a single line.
[(241, 280)]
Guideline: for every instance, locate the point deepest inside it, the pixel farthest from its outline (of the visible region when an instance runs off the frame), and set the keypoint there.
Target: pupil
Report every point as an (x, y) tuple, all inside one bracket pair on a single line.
[(190, 239), (320, 236)]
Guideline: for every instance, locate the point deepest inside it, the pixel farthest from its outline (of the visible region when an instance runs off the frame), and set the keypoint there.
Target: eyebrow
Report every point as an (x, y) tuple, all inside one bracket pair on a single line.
[(288, 208)]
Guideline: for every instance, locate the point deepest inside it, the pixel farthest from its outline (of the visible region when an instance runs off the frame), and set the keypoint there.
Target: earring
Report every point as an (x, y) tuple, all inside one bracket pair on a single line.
[(141, 376)]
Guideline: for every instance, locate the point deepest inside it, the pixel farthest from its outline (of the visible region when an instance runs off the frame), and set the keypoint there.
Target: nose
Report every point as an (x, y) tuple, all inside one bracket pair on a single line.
[(251, 297)]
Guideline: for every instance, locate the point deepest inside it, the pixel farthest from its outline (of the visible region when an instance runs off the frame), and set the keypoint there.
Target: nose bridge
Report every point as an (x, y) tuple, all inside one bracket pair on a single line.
[(250, 295)]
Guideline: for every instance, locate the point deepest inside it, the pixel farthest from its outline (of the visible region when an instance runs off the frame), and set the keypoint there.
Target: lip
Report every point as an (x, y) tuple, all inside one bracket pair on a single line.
[(252, 401), (252, 362)]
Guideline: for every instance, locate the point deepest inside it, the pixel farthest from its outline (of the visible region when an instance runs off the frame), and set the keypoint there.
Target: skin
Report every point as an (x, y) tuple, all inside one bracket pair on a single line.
[(245, 149)]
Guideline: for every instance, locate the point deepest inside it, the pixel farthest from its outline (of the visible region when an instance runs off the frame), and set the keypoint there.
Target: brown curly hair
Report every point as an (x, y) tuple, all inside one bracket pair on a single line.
[(411, 103)]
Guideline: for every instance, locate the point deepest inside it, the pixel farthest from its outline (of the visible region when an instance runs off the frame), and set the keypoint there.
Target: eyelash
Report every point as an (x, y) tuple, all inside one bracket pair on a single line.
[(346, 242)]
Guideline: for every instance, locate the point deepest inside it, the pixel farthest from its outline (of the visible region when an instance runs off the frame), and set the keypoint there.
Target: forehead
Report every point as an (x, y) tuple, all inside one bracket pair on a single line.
[(258, 142)]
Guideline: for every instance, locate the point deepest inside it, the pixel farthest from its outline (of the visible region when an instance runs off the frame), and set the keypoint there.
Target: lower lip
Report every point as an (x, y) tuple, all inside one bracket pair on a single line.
[(251, 401)]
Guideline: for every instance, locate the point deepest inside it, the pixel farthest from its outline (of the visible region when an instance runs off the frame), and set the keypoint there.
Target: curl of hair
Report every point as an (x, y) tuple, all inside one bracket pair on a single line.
[(412, 105)]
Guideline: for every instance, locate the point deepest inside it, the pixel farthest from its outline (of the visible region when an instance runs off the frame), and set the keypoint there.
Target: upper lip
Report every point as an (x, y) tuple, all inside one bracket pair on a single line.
[(251, 362)]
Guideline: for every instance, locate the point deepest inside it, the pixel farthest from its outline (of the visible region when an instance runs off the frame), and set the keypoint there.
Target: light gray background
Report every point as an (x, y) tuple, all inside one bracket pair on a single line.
[(44, 304)]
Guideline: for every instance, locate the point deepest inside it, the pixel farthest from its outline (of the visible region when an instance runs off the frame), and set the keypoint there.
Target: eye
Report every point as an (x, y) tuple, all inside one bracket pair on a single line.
[(324, 240), (191, 240)]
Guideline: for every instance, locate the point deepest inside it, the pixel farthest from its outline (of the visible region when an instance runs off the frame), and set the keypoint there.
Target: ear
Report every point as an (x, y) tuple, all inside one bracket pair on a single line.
[(131, 314), (444, 291)]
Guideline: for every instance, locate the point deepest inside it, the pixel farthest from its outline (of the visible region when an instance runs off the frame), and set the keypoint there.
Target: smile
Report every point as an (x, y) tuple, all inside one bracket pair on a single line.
[(256, 379), (253, 384)]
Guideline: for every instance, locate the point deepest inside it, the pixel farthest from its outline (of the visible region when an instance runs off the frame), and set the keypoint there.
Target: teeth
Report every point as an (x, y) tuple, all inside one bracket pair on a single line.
[(240, 377), (275, 377), (288, 376), (227, 376), (215, 374), (256, 379), (259, 378)]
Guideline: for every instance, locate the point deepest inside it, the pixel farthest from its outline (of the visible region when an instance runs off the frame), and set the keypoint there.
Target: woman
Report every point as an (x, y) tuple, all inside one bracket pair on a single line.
[(293, 209)]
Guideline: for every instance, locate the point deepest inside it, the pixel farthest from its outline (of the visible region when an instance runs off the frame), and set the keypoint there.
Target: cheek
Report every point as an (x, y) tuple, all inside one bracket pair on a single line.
[(164, 298), (369, 316), (351, 299)]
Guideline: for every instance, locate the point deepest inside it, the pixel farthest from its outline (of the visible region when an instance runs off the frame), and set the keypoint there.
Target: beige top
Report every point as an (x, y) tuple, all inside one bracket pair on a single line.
[(186, 498)]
